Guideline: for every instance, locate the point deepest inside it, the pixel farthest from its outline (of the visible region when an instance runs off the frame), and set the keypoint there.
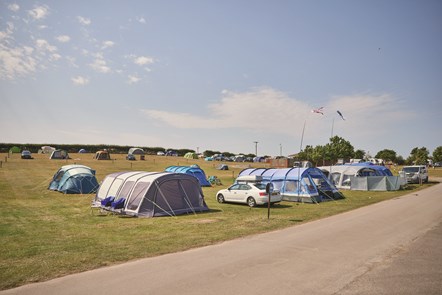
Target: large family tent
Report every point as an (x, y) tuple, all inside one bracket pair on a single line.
[(193, 170), (74, 179), (59, 154), (152, 194), (308, 185), (14, 149), (362, 176)]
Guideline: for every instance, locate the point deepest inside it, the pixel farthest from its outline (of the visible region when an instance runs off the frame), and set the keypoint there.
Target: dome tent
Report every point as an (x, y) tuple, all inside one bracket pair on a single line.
[(74, 179), (193, 170), (152, 194)]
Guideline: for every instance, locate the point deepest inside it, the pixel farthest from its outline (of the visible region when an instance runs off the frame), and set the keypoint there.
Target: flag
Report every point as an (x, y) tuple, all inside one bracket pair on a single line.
[(340, 114)]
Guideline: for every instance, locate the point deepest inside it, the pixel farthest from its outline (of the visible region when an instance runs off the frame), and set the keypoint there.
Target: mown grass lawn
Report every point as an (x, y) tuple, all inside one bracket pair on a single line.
[(46, 234)]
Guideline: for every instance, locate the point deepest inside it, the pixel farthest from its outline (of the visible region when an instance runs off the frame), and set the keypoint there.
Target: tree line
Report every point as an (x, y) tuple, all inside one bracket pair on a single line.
[(337, 148)]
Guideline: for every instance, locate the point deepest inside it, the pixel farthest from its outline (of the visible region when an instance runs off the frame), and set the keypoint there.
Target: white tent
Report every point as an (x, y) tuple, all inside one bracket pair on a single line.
[(151, 194)]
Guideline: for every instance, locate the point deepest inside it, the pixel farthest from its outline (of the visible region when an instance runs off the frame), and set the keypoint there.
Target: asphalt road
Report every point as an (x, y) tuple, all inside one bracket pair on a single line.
[(393, 247)]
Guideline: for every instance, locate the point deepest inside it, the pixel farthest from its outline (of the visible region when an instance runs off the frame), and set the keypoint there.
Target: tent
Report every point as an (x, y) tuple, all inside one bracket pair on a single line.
[(82, 151), (191, 155), (74, 179), (59, 154), (47, 149), (102, 155), (192, 170), (151, 194), (136, 151), (15, 149), (297, 184), (362, 176)]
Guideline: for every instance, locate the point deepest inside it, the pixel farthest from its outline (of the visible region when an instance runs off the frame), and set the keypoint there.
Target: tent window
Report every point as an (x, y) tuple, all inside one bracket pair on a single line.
[(124, 193), (277, 185), (346, 180), (290, 186), (335, 177), (59, 176), (310, 186), (137, 195)]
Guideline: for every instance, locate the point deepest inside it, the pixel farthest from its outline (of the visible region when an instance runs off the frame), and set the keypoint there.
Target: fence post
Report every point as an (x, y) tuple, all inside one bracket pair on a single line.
[(1, 164)]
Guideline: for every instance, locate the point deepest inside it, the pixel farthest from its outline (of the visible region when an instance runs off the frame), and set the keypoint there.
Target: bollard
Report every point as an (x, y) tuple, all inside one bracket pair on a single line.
[(1, 164)]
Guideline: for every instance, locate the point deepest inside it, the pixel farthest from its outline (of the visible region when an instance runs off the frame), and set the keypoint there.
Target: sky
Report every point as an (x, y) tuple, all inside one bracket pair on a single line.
[(222, 75)]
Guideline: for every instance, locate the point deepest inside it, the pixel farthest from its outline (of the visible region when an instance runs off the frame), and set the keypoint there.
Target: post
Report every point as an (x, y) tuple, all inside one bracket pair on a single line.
[(269, 191)]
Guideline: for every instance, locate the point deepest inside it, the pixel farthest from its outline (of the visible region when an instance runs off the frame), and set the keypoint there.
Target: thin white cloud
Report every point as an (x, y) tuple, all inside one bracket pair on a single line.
[(44, 45), (143, 60), (80, 81), (100, 66), (39, 12), (16, 62), (84, 21), (245, 110), (14, 7), (141, 20), (107, 44), (133, 79), (63, 38)]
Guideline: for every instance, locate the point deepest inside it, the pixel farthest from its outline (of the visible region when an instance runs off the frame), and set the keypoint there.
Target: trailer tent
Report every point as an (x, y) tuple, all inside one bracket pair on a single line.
[(362, 176), (152, 194), (192, 170), (298, 184), (74, 179)]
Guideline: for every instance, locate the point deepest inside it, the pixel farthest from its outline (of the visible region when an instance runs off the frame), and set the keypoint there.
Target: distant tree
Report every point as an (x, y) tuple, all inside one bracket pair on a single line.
[(437, 154), (359, 154), (418, 156), (400, 160), (386, 155), (338, 148)]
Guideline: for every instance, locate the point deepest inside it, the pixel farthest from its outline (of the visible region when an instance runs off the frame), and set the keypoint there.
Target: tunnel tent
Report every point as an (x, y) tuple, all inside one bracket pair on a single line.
[(153, 194), (193, 170), (74, 179), (362, 176), (298, 184)]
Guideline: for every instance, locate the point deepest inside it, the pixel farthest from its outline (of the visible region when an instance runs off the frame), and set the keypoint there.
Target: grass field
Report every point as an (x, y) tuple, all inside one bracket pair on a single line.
[(46, 234)]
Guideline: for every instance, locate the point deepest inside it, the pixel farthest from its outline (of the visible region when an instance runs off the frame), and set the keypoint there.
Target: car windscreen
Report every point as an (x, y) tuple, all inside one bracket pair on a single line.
[(411, 169)]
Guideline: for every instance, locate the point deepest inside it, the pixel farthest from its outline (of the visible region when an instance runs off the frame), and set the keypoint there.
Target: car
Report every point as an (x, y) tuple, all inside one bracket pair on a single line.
[(248, 190), (26, 155), (415, 173), (437, 164), (130, 157)]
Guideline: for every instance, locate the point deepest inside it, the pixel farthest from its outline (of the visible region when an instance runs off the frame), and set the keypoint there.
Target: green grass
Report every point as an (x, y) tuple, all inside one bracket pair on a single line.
[(46, 234)]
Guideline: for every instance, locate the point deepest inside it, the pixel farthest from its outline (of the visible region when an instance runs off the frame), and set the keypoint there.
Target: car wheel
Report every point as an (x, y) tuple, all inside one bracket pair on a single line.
[(220, 198), (251, 202)]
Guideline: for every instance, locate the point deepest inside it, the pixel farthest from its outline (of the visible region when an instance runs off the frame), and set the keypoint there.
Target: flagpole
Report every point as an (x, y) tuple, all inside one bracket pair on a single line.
[(300, 150)]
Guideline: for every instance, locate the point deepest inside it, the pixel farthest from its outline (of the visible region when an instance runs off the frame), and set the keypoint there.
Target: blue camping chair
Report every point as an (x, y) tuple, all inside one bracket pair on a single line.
[(118, 204), (107, 202)]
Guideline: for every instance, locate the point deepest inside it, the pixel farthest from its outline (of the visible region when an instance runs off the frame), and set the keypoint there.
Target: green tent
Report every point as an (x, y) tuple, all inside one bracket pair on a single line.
[(191, 155), (15, 149)]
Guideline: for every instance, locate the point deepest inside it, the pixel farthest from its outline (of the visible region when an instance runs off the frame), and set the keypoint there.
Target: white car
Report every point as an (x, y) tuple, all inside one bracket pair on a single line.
[(248, 192), (415, 174)]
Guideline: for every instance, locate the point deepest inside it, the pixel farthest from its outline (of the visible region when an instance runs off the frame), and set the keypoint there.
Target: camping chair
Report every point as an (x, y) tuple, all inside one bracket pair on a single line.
[(107, 202), (118, 204)]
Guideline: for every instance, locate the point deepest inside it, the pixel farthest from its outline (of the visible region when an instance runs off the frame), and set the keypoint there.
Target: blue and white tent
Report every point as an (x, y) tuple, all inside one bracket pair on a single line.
[(191, 170), (74, 179), (297, 184)]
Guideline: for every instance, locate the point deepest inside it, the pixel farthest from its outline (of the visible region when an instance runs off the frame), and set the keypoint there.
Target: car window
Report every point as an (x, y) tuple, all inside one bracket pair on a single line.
[(235, 187), (260, 185), (245, 187)]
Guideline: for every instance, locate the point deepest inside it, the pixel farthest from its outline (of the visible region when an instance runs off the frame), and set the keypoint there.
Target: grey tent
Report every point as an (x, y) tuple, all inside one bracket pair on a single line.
[(151, 194)]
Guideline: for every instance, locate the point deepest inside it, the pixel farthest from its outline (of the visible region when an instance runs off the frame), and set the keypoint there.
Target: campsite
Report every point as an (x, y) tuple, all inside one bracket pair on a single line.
[(47, 234)]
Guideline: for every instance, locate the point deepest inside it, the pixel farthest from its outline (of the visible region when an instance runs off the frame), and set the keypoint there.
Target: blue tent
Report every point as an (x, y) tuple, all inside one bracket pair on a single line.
[(192, 170), (297, 184), (74, 179)]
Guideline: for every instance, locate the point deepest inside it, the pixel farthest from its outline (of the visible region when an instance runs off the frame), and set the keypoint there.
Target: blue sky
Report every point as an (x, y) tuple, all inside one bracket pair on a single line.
[(220, 75)]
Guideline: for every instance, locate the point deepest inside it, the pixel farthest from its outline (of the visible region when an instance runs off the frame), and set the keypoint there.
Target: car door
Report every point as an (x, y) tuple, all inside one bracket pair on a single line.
[(244, 192), (233, 194)]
